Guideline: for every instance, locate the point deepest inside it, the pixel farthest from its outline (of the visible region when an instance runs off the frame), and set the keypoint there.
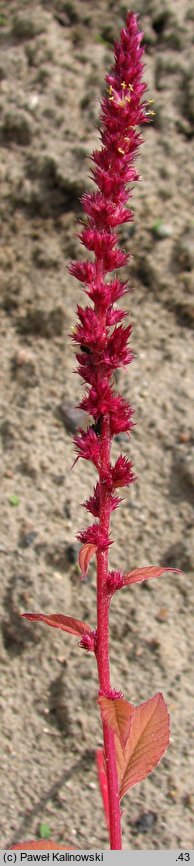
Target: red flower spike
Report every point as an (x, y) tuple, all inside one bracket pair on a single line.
[(141, 574), (115, 502), (117, 353), (102, 243), (122, 473), (121, 417), (114, 316), (114, 259), (87, 445), (114, 581), (85, 368), (140, 734), (57, 620), (97, 241), (118, 289), (88, 642), (85, 555), (100, 294), (103, 212), (106, 182), (90, 329), (83, 271), (96, 536), (93, 503), (100, 398)]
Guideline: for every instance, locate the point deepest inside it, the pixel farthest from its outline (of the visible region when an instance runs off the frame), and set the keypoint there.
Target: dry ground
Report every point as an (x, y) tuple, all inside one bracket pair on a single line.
[(54, 55)]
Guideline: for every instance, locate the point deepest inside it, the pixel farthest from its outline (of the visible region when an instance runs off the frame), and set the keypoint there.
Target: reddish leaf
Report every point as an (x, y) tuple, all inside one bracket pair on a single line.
[(148, 739), (103, 782), (57, 620), (37, 844), (120, 756), (118, 713), (85, 554), (141, 574)]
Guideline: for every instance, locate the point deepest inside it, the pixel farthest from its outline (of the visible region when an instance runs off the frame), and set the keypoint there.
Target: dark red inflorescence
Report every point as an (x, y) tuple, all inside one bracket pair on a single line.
[(100, 335)]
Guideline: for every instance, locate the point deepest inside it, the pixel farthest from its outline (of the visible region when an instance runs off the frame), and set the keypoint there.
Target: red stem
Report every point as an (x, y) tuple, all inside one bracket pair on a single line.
[(102, 652)]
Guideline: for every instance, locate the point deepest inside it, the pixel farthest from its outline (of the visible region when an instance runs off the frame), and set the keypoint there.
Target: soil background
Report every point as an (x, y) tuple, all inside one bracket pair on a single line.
[(54, 56)]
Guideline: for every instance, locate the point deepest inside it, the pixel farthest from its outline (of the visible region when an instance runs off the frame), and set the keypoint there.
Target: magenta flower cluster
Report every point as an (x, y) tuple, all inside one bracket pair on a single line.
[(100, 333), (135, 738)]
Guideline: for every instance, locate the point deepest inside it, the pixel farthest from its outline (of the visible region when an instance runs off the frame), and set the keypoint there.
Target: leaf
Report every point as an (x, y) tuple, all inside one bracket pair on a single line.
[(147, 573), (161, 230), (37, 844), (148, 739), (101, 767), (14, 500), (118, 714), (85, 554), (120, 756), (44, 830), (57, 620)]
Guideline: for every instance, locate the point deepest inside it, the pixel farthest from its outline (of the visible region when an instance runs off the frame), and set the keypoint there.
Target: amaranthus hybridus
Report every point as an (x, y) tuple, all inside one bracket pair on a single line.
[(134, 737)]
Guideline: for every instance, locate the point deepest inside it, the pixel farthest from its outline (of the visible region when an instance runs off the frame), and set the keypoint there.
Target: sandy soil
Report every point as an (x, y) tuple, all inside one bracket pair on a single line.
[(54, 55)]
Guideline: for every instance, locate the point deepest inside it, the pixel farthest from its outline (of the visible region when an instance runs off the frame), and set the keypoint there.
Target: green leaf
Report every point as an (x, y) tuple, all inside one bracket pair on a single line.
[(156, 225), (14, 500), (161, 230), (44, 830)]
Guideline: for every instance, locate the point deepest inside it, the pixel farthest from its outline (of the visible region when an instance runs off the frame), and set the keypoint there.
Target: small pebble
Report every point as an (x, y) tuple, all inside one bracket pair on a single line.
[(163, 614), (188, 800), (72, 553), (153, 645), (172, 794), (145, 822), (72, 418), (27, 538), (67, 510), (58, 479), (23, 356), (186, 466), (33, 101), (161, 230), (8, 473), (184, 437), (61, 660), (139, 651)]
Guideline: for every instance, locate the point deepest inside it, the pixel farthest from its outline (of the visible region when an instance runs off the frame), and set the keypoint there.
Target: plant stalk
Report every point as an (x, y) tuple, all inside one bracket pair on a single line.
[(102, 652)]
